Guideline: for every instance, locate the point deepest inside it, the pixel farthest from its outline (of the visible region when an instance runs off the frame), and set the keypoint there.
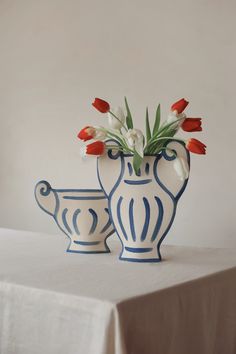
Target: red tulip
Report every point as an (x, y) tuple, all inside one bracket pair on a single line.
[(196, 146), (192, 125), (85, 134), (96, 148), (101, 106), (179, 106)]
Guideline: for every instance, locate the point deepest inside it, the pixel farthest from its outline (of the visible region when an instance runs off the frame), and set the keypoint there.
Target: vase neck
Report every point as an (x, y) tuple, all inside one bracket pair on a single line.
[(145, 171)]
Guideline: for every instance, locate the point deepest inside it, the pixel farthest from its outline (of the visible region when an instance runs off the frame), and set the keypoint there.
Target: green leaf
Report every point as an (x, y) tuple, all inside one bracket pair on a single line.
[(148, 130), (157, 120), (129, 120), (137, 161)]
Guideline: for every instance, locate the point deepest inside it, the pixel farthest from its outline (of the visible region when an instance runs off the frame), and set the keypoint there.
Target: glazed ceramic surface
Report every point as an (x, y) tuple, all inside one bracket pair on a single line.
[(82, 214), (142, 207)]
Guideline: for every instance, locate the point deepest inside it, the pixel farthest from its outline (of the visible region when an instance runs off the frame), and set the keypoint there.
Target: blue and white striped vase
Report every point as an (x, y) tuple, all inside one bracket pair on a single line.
[(142, 206), (81, 214)]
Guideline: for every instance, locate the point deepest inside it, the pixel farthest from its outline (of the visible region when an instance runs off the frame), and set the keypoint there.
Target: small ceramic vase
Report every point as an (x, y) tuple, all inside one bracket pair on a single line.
[(82, 214)]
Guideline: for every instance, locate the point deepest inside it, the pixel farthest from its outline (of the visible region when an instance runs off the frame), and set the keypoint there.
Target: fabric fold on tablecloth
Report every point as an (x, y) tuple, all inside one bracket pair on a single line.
[(32, 321)]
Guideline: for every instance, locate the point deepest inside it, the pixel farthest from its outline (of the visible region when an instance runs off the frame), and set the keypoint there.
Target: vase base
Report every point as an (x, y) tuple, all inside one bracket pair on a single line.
[(88, 247), (140, 254), (141, 260)]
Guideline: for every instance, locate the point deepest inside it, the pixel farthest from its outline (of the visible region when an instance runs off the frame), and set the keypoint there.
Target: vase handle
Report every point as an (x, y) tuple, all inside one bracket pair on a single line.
[(166, 173), (46, 197), (109, 168)]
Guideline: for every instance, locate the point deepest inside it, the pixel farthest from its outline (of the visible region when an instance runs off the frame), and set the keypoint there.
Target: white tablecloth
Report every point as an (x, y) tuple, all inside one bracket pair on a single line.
[(52, 302)]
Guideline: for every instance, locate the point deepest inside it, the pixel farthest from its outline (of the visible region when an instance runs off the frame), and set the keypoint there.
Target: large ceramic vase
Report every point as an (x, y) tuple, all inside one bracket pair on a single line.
[(142, 206), (82, 214)]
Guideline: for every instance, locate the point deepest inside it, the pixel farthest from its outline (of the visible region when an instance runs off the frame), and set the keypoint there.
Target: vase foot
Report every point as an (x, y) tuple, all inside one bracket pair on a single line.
[(140, 254), (88, 247)]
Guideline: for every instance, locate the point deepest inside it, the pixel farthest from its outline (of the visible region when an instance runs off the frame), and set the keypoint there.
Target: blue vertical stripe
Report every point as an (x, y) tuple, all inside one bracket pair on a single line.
[(76, 213), (119, 218), (130, 168), (147, 219), (147, 168), (131, 219), (95, 221), (65, 221), (159, 219), (108, 224)]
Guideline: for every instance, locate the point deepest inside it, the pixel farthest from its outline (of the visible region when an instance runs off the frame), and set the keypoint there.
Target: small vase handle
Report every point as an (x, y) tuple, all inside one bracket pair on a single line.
[(165, 169), (109, 168), (46, 197)]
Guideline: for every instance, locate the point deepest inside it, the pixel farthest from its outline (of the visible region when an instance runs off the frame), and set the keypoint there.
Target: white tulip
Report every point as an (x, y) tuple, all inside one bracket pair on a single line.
[(181, 167), (115, 123), (135, 140)]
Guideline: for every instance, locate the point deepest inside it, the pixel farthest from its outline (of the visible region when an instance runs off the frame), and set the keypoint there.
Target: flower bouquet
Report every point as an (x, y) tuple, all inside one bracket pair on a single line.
[(133, 141)]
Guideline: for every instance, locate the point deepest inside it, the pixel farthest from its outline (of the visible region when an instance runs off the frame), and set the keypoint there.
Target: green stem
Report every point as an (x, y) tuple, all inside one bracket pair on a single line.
[(167, 126), (118, 148), (119, 140), (171, 138), (151, 146)]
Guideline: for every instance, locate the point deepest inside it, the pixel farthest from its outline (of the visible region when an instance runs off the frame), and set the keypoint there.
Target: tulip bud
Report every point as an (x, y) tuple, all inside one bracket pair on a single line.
[(179, 106), (101, 105), (196, 146), (97, 148), (192, 125)]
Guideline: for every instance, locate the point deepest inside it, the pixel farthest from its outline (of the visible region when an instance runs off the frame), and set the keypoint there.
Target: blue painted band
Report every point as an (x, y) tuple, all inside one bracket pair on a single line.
[(83, 198), (89, 252), (142, 181), (80, 190), (141, 260), (138, 249), (87, 243)]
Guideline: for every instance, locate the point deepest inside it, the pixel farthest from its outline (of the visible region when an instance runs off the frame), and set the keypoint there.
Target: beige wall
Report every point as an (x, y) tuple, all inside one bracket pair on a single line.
[(56, 55)]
